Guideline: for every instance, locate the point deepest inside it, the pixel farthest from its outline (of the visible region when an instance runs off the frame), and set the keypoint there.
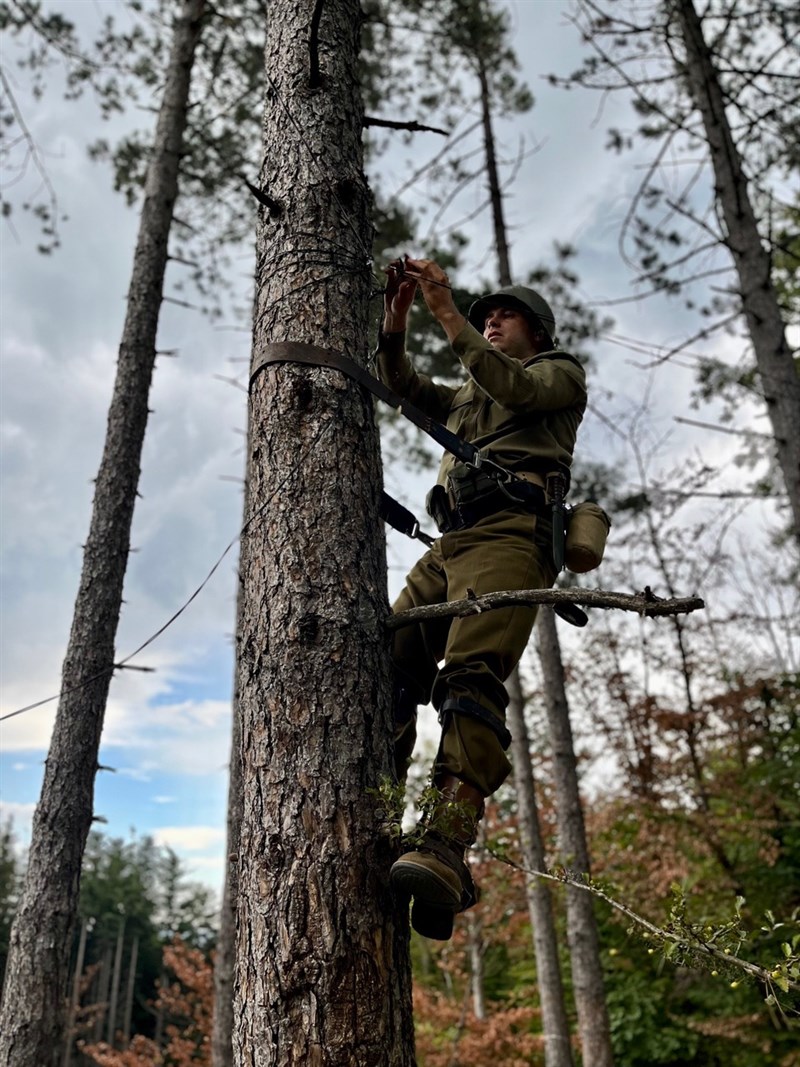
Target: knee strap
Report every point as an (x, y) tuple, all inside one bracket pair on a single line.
[(471, 709)]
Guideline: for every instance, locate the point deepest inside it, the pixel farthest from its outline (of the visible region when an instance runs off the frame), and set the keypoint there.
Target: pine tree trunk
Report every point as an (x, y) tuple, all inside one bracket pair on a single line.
[(103, 982), (476, 971), (493, 179), (225, 955), (322, 972), (557, 1045), (129, 991), (32, 1018), (779, 378), (115, 981), (69, 1036), (584, 945)]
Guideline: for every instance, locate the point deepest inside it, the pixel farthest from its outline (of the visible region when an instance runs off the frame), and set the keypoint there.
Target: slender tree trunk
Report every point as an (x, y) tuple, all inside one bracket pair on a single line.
[(225, 957), (322, 972), (493, 178), (69, 1036), (558, 1049), (557, 1045), (32, 1018), (115, 981), (131, 987), (103, 981), (584, 945), (476, 950), (779, 377)]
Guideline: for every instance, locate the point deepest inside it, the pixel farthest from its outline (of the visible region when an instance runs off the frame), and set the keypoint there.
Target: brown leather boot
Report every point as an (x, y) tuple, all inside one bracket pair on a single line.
[(434, 873)]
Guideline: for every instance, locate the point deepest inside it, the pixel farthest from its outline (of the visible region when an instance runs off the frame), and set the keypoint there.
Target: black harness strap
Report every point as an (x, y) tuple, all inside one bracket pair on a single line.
[(391, 511), (312, 355)]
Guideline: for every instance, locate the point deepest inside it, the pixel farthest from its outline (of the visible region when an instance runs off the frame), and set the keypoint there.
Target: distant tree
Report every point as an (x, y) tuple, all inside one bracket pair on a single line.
[(185, 999), (722, 84), (9, 888), (35, 987)]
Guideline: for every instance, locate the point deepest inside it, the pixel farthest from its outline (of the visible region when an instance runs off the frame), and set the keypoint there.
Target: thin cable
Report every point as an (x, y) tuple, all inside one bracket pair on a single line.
[(120, 664)]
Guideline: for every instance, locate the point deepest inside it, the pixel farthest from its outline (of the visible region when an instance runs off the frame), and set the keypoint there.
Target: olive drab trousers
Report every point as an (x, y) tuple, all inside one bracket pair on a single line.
[(508, 550)]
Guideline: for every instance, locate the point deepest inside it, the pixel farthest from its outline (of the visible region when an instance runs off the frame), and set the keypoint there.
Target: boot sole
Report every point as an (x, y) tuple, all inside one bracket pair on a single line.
[(409, 879), (432, 922), (434, 908)]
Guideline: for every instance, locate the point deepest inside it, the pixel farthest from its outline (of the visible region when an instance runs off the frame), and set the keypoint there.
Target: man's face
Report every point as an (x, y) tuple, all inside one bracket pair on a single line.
[(510, 332)]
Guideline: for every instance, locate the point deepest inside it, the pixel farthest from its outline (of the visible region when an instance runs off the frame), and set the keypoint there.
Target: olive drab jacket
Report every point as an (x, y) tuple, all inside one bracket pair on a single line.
[(524, 415)]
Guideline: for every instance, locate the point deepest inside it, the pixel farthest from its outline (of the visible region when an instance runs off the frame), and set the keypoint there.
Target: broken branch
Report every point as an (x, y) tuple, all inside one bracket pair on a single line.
[(642, 603)]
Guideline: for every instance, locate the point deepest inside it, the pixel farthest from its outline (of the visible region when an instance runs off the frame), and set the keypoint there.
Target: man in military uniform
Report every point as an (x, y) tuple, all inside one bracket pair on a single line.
[(521, 406)]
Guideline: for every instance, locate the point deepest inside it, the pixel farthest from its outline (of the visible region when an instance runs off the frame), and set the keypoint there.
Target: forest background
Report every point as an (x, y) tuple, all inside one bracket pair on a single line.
[(167, 732)]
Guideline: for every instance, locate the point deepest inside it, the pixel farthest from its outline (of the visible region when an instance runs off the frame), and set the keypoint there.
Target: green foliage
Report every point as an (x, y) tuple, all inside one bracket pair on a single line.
[(141, 889)]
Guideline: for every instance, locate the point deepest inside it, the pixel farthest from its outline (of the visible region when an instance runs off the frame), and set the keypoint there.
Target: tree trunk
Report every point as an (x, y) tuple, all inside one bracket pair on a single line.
[(225, 956), (69, 1036), (475, 948), (103, 980), (557, 1046), (493, 178), (495, 193), (131, 986), (32, 1018), (584, 946), (322, 971), (779, 378), (115, 981)]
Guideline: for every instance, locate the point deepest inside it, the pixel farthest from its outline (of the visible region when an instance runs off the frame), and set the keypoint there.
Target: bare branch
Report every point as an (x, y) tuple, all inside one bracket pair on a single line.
[(644, 603), (413, 125)]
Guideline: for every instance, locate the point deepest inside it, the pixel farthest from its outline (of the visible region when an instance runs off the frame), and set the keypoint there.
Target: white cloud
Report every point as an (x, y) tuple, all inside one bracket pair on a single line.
[(163, 799), (189, 838), (21, 816)]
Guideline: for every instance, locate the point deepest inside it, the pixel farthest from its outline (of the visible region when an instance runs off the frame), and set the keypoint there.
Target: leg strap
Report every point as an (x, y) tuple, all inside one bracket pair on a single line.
[(471, 709)]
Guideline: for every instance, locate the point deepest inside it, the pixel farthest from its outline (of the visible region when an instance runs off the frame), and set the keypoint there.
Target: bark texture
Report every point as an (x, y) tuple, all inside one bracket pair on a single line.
[(32, 1019), (322, 971), (225, 955), (779, 377), (557, 1046), (584, 946)]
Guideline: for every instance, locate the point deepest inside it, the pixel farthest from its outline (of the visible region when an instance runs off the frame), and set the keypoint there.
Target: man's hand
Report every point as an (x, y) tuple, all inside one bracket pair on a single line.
[(438, 294), (401, 289)]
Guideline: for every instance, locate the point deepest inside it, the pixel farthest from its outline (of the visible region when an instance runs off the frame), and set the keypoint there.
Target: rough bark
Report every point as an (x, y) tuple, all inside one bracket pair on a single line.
[(32, 1018), (557, 1046), (779, 377), (582, 938), (225, 955), (322, 972)]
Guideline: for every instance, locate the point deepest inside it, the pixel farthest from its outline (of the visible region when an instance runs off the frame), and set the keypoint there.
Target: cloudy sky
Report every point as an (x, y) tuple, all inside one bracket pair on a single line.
[(167, 732)]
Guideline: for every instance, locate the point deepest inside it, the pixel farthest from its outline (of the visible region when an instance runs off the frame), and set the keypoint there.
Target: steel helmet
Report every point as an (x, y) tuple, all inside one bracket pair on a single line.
[(519, 297)]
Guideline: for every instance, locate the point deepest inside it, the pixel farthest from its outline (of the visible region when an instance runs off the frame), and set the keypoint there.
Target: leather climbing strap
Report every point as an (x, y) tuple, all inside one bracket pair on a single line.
[(314, 356)]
